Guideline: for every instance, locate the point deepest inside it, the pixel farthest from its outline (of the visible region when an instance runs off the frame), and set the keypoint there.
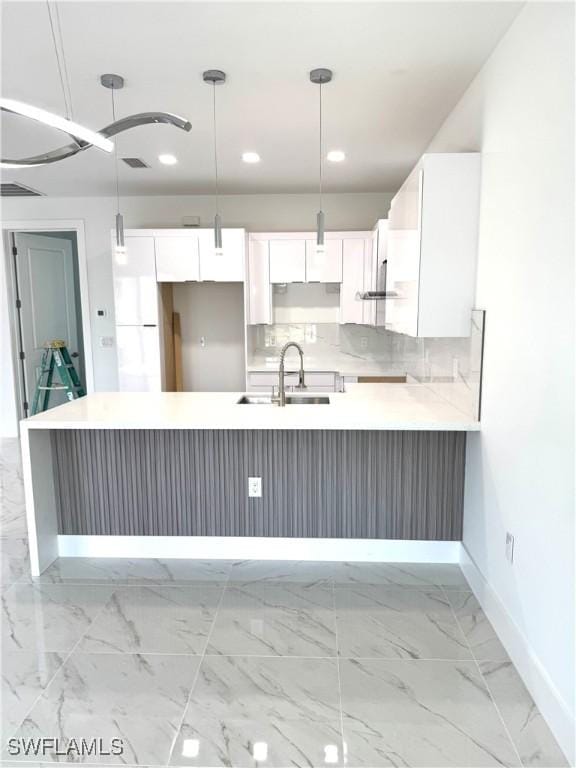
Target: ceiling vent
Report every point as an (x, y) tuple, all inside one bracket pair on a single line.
[(11, 189), (135, 162)]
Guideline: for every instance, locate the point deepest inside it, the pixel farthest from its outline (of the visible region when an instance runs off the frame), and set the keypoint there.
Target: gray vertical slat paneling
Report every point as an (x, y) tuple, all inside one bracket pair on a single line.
[(396, 485)]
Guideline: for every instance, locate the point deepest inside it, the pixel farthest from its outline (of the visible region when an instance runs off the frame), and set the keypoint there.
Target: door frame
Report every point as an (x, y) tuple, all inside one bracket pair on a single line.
[(38, 226)]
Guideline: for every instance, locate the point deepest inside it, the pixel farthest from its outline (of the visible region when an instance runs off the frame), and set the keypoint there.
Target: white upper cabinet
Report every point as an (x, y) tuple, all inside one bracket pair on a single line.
[(324, 267), (135, 287), (287, 260), (259, 293), (177, 258), (432, 247), (227, 267), (358, 276)]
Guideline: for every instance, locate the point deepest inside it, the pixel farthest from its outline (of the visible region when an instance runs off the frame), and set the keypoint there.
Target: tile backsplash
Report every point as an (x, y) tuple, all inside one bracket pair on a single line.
[(450, 366)]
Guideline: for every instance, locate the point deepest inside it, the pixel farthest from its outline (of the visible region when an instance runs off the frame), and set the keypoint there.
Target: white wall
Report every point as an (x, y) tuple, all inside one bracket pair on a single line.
[(255, 212), (519, 473)]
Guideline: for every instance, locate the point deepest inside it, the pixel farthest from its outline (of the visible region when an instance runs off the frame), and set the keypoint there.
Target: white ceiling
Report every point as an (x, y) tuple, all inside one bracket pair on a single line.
[(399, 68)]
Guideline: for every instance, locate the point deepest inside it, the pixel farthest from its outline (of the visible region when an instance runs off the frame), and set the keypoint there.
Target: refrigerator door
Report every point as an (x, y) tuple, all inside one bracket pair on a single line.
[(139, 366)]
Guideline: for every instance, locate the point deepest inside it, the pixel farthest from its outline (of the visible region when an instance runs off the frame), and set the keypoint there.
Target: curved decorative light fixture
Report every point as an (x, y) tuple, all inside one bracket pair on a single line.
[(215, 77), (80, 140), (319, 77), (78, 132)]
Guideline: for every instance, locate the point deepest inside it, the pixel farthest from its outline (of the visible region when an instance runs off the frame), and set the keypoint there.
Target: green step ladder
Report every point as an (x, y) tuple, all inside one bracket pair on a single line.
[(56, 358)]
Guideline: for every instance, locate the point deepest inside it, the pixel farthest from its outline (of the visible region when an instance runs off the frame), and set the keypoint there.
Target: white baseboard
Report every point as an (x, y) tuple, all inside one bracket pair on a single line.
[(260, 548), (552, 706)]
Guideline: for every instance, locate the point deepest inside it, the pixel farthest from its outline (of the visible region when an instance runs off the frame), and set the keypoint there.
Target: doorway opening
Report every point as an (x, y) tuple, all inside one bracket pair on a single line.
[(46, 297)]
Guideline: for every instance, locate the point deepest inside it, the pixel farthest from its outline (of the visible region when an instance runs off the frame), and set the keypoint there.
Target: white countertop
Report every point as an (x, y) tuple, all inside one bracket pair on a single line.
[(362, 406)]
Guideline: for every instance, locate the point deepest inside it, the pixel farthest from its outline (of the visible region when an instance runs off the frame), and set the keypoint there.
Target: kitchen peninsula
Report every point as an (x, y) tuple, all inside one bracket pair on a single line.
[(166, 474)]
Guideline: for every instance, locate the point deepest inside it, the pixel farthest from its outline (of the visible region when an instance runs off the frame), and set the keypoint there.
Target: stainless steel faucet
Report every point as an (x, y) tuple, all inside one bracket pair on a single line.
[(281, 399)]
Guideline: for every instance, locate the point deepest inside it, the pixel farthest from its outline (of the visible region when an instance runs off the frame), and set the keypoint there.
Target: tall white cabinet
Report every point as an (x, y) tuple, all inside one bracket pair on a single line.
[(432, 247), (137, 316)]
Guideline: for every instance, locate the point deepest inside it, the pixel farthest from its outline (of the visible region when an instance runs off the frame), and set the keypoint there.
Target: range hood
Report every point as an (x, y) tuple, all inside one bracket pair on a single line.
[(381, 293), (374, 295)]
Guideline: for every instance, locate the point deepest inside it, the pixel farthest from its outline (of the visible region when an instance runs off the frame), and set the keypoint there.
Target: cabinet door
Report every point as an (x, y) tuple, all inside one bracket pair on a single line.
[(139, 366), (324, 267), (404, 255), (227, 267), (177, 259), (352, 308), (135, 288), (287, 261), (259, 288)]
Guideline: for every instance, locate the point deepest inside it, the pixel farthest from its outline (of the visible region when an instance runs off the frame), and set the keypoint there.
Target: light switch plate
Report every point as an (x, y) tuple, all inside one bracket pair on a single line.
[(255, 487)]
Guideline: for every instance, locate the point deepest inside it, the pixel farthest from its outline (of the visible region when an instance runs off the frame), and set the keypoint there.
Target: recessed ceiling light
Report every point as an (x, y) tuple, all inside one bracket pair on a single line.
[(336, 156), (251, 157), (168, 159)]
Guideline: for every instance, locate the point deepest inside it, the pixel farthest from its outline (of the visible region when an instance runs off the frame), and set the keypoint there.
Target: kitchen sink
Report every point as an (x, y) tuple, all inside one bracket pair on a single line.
[(290, 400)]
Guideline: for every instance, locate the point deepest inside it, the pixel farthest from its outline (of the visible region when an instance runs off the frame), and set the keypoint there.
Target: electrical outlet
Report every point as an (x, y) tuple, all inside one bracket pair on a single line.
[(363, 342), (509, 547), (106, 341), (255, 487)]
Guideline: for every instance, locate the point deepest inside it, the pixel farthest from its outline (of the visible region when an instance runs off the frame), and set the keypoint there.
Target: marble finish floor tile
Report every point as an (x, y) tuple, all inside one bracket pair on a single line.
[(244, 708), (175, 619), (480, 635), (528, 729), (49, 617), (399, 575), (380, 622), (14, 561), (25, 674), (12, 504), (143, 571), (427, 714), (304, 572), (137, 698), (284, 619)]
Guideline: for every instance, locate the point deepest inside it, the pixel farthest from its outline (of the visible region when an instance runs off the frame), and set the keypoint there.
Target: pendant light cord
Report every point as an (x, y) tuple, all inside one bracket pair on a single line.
[(320, 143), (61, 60), (215, 146), (115, 154)]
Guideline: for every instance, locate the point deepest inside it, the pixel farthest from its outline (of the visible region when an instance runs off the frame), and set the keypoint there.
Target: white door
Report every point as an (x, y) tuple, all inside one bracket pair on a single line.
[(135, 286), (49, 304), (228, 266), (324, 267), (177, 259), (287, 261)]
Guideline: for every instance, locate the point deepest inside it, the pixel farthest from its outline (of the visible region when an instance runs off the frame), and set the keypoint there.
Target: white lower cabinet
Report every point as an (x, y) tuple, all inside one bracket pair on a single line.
[(139, 358), (316, 381)]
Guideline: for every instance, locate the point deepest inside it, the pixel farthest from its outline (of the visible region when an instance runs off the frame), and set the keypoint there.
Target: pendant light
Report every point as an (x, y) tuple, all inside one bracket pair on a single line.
[(215, 77), (116, 83), (320, 77)]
